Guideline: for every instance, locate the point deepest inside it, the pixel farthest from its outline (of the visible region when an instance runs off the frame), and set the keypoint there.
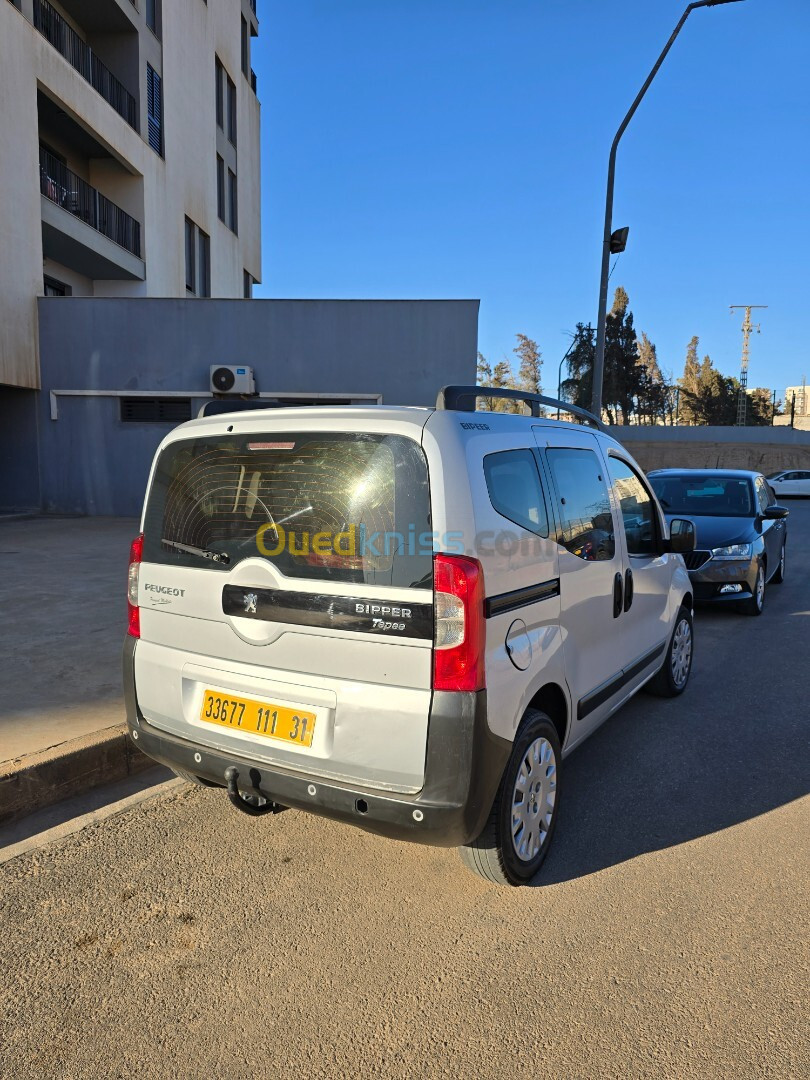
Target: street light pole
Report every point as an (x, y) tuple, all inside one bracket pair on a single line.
[(599, 359)]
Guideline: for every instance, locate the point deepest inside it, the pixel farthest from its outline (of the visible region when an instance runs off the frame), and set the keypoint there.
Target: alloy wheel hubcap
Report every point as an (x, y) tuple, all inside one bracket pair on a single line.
[(760, 587), (533, 799), (681, 653)]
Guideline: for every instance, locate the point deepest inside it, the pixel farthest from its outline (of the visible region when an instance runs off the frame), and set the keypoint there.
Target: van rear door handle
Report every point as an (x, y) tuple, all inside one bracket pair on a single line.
[(628, 589), (617, 595)]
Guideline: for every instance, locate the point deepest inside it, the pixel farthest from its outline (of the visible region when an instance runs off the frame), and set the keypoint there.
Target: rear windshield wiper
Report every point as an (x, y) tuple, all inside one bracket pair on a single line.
[(215, 556)]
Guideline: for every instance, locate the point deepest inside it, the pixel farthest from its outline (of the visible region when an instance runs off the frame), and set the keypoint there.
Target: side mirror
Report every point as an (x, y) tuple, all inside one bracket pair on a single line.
[(776, 512), (682, 536)]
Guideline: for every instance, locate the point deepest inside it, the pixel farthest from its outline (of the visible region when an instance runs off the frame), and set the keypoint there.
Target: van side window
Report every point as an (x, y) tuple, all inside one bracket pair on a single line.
[(638, 513), (583, 505), (513, 483)]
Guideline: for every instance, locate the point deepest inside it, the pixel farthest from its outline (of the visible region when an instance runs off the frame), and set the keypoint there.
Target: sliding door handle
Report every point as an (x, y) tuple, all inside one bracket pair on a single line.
[(628, 589), (618, 594)]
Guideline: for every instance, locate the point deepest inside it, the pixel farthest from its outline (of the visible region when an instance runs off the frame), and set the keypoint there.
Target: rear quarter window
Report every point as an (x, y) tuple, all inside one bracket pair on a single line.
[(513, 483), (329, 506)]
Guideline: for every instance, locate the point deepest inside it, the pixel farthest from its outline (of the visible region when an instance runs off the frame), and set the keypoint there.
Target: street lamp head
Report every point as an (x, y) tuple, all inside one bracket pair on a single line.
[(618, 240), (714, 3)]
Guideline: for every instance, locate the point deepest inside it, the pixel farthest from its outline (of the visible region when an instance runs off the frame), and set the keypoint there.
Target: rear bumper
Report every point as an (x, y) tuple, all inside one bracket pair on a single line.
[(463, 766)]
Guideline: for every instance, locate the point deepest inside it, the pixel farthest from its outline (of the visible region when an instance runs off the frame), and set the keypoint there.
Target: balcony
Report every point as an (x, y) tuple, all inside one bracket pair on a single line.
[(105, 242), (80, 56)]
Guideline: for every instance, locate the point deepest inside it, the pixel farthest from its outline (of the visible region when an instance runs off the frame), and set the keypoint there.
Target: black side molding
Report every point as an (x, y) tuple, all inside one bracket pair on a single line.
[(511, 601), (601, 694)]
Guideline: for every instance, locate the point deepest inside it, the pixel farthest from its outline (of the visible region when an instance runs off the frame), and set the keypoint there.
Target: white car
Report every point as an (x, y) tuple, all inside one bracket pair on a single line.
[(790, 482), (401, 618)]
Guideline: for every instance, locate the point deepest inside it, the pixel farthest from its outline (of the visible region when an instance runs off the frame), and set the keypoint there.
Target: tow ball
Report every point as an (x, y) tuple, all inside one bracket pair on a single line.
[(253, 804)]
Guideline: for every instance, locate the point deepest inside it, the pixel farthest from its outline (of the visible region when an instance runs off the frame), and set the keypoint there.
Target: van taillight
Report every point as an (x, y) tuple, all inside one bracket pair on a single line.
[(135, 555), (460, 630)]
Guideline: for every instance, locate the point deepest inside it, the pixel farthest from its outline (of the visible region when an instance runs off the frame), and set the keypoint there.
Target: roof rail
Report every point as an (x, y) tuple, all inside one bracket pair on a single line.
[(454, 398)]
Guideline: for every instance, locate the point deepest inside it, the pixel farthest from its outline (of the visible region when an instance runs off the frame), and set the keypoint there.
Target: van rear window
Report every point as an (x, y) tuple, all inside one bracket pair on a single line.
[(335, 507)]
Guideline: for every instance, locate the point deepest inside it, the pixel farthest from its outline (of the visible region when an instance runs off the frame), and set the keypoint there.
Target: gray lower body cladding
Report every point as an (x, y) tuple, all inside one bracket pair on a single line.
[(463, 766)]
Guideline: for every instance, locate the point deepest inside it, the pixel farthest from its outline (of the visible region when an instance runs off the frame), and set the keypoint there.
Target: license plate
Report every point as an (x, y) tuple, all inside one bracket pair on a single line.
[(258, 718)]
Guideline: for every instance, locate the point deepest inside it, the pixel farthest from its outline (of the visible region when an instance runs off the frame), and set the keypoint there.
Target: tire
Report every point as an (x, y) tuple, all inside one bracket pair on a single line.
[(755, 604), (514, 842), (674, 674), (779, 576)]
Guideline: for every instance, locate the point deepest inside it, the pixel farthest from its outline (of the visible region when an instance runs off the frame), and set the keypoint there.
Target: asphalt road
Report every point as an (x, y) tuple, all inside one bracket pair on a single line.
[(667, 935)]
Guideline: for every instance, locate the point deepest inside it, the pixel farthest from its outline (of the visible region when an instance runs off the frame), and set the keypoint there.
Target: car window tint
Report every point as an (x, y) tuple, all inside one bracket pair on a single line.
[(331, 506), (513, 483), (638, 512), (583, 505), (704, 495)]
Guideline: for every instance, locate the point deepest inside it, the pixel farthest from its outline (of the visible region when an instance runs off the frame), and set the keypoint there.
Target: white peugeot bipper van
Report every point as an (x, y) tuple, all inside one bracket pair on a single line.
[(402, 618)]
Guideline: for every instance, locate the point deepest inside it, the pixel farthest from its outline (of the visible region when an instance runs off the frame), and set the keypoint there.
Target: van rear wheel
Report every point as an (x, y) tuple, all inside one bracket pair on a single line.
[(518, 832)]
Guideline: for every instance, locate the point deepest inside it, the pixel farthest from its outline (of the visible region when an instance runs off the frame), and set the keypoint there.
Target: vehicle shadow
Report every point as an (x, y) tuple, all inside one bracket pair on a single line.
[(732, 747)]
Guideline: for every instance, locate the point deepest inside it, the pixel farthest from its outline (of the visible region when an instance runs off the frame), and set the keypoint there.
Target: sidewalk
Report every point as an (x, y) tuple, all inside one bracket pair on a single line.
[(62, 625)]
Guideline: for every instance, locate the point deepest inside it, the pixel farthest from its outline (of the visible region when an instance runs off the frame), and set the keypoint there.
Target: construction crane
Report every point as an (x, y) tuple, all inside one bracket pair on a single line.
[(747, 327)]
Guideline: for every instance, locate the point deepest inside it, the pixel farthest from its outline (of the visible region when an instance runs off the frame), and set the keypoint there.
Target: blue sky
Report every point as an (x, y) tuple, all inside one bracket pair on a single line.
[(458, 148)]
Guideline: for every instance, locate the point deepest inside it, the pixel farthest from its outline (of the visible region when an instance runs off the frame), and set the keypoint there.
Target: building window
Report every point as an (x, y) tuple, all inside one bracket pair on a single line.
[(203, 264), (155, 410), (154, 109), (245, 49), (191, 277), (248, 283), (153, 14), (52, 287), (198, 260), (219, 76), (220, 188), (232, 112), (233, 211)]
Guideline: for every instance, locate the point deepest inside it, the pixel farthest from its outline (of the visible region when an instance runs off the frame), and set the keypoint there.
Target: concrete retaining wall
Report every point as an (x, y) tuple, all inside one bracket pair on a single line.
[(765, 449)]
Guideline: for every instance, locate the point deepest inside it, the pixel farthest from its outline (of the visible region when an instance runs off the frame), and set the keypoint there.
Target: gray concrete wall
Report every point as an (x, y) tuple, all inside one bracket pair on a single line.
[(765, 449), (19, 470), (92, 463)]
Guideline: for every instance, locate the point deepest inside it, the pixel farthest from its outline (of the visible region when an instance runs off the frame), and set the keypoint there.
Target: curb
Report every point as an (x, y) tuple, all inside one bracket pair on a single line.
[(37, 780)]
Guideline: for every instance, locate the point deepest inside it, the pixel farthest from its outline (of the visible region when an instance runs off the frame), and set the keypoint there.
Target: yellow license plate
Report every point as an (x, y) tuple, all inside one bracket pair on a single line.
[(258, 718)]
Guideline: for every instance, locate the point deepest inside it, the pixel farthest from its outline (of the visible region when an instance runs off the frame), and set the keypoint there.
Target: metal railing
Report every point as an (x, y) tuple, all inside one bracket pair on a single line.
[(80, 56), (66, 189)]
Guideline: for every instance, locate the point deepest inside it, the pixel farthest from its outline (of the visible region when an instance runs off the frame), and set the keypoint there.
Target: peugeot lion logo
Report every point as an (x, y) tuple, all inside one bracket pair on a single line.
[(250, 603)]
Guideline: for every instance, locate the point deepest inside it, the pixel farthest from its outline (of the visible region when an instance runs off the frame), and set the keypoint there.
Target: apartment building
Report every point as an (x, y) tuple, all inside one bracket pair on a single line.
[(129, 158), (799, 397)]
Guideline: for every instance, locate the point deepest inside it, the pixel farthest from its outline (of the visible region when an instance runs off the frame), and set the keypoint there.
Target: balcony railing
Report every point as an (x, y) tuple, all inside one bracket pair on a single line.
[(79, 54), (66, 189)]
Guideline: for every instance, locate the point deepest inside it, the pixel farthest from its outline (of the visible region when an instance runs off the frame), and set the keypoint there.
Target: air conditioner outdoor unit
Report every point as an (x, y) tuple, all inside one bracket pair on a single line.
[(230, 379)]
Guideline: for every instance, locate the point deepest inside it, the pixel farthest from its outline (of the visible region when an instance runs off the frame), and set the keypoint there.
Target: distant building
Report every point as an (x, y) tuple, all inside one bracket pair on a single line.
[(130, 157), (802, 396)]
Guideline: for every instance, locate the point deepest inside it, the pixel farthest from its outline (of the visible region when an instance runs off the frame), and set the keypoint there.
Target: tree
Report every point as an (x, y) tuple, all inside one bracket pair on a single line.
[(530, 370), (621, 355), (504, 378), (689, 384), (578, 387), (654, 397), (484, 378)]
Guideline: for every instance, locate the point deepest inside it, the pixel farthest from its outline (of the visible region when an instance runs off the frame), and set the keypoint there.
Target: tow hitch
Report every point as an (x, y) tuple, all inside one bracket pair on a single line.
[(252, 803)]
